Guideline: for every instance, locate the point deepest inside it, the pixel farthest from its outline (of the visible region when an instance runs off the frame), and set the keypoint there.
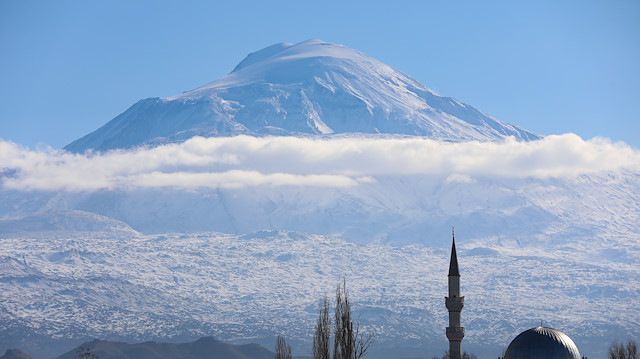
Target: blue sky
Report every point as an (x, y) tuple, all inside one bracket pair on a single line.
[(68, 67)]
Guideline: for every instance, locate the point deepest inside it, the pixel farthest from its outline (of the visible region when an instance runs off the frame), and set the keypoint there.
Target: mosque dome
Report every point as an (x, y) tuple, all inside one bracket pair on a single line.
[(542, 343)]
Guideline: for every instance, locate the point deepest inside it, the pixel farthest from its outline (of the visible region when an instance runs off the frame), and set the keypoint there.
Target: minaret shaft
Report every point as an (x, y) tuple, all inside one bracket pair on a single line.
[(454, 286), (454, 303)]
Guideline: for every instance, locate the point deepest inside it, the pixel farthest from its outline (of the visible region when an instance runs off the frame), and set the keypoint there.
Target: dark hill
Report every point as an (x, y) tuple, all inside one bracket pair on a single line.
[(207, 347), (15, 354)]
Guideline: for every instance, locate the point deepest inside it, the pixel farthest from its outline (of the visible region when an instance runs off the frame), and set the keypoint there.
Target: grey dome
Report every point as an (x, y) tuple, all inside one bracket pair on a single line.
[(542, 343)]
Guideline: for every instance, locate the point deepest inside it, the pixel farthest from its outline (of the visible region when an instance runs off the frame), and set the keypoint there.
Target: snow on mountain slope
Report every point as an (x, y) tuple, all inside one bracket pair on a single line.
[(313, 87), (253, 287), (386, 209)]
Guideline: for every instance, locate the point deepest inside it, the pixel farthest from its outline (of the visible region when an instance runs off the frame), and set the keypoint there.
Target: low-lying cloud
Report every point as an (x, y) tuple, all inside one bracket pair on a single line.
[(236, 162)]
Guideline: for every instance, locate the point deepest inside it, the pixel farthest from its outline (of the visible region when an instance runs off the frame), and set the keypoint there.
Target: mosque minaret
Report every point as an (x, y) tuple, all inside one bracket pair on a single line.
[(535, 343), (454, 303)]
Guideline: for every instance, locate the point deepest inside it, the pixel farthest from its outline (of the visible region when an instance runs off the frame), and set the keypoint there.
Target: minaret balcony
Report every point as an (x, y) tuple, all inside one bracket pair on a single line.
[(455, 333), (454, 304)]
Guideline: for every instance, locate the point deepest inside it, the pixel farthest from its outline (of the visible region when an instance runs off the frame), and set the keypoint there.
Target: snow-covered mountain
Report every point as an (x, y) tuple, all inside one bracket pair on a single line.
[(397, 210), (313, 87)]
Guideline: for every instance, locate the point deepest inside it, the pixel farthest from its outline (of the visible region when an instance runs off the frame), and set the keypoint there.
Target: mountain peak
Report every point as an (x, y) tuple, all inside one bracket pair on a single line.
[(313, 87), (307, 49), (261, 55), (284, 63)]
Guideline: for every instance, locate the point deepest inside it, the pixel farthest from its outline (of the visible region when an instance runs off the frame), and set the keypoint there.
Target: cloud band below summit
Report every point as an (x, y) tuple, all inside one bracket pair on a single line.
[(236, 162)]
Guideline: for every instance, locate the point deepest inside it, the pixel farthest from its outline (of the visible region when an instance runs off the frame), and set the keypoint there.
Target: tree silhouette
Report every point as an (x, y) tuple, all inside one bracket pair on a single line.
[(349, 342), (465, 355), (283, 350), (628, 350), (85, 353), (323, 332)]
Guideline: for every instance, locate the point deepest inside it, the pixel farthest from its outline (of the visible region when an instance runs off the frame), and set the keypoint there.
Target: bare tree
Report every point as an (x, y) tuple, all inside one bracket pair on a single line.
[(349, 341), (85, 353), (341, 329), (465, 355), (323, 331), (283, 350), (628, 350)]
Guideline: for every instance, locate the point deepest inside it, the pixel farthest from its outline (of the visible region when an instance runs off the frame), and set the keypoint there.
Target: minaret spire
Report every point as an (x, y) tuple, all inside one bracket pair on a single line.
[(454, 303), (453, 263)]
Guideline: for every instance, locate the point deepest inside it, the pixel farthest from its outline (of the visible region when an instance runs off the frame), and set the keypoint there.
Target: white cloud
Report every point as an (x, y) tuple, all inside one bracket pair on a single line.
[(236, 179), (289, 161)]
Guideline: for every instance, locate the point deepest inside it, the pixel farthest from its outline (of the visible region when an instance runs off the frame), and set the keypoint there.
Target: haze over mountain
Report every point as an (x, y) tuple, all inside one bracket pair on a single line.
[(312, 163), (313, 87)]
